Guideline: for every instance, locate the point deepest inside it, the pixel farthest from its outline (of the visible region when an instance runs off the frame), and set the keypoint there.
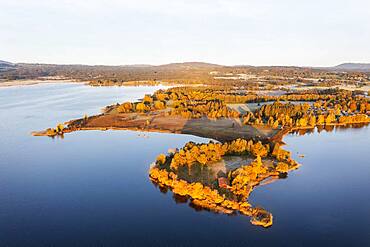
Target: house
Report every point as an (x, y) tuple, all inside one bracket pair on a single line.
[(223, 182)]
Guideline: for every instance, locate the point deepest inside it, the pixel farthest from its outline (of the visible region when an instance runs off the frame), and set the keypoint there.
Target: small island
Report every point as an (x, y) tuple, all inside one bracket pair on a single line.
[(221, 176)]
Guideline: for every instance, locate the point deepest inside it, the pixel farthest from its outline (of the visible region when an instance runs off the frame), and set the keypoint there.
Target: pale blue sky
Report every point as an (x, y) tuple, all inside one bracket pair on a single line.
[(255, 32)]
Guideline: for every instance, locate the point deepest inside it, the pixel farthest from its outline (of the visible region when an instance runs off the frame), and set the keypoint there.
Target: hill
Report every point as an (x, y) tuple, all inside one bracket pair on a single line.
[(191, 65), (4, 65), (186, 73), (353, 66)]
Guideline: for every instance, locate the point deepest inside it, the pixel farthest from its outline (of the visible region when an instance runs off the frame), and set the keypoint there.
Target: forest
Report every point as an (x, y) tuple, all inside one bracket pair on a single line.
[(232, 195)]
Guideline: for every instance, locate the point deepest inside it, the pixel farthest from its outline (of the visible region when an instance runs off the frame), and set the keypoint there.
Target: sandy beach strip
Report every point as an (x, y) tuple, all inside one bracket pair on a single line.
[(35, 81)]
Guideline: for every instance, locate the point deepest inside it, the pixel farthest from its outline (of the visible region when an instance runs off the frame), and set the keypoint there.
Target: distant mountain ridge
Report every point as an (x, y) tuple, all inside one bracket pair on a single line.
[(5, 63), (193, 65), (5, 66), (353, 66), (135, 72)]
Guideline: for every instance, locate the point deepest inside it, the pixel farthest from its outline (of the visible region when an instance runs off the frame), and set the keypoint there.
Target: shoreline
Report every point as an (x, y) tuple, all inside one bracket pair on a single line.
[(14, 83)]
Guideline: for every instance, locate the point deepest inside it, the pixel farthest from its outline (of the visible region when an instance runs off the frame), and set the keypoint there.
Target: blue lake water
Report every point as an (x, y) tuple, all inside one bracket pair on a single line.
[(92, 188)]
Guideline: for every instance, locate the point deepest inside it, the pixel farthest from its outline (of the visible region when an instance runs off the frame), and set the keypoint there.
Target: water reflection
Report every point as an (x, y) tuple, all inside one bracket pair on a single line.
[(179, 199), (328, 128)]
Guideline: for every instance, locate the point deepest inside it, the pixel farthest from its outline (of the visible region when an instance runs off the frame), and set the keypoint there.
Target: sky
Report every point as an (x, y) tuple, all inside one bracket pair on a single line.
[(229, 32)]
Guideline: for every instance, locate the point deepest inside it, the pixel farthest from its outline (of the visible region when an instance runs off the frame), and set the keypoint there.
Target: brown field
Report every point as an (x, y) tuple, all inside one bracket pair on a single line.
[(224, 129)]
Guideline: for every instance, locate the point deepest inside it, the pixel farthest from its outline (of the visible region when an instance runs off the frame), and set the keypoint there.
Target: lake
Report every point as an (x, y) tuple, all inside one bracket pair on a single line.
[(92, 187)]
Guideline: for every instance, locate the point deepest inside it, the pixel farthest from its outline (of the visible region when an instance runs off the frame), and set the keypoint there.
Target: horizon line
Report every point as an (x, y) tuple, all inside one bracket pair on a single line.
[(177, 62)]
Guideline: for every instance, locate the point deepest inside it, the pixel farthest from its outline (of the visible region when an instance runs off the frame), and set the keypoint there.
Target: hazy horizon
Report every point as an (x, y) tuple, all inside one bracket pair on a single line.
[(257, 33), (183, 62)]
